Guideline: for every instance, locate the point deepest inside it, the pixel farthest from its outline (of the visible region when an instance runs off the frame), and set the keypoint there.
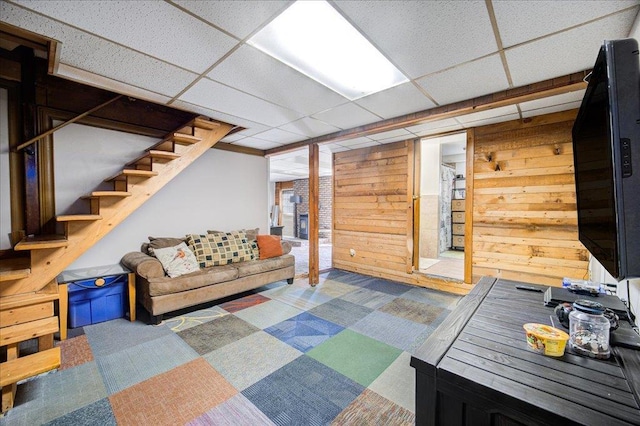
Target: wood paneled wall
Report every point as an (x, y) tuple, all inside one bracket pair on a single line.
[(370, 208), (373, 215), (524, 202)]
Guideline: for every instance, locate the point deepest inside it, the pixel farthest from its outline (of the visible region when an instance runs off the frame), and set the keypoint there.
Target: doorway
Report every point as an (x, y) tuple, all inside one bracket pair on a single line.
[(441, 219)]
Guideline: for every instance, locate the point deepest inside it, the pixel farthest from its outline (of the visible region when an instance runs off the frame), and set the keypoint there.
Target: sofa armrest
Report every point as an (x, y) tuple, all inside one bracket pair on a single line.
[(143, 265), (286, 246)]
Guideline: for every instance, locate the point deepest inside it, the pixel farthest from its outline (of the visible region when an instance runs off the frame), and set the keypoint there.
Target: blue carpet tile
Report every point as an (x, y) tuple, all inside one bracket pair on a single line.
[(303, 392), (337, 353), (98, 413), (304, 331)]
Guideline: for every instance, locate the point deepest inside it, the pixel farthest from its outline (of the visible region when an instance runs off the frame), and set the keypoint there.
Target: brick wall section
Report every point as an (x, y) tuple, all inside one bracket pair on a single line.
[(301, 188)]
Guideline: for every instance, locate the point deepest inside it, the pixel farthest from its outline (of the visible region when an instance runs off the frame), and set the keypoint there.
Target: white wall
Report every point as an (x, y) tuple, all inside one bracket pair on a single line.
[(635, 29), (5, 205), (221, 190), (597, 273), (429, 168)]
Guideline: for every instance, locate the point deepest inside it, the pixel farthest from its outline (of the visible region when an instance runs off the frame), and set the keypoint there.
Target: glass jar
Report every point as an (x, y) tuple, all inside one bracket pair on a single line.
[(589, 329)]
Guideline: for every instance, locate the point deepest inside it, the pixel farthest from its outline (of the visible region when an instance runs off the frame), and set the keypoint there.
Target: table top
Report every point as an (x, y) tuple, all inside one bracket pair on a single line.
[(92, 272), (484, 346)]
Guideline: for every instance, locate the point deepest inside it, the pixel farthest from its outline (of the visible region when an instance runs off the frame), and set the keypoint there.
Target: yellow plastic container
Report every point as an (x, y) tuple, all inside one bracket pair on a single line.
[(545, 339)]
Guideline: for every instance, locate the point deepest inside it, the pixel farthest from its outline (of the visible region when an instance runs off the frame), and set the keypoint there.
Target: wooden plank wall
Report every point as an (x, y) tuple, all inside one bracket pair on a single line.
[(373, 215), (524, 202), (370, 209)]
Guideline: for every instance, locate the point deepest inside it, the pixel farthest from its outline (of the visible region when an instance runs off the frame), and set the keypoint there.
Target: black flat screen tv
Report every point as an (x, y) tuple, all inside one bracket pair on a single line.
[(606, 150)]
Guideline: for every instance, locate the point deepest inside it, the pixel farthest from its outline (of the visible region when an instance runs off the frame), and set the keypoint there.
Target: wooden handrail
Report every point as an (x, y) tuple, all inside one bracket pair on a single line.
[(73, 120)]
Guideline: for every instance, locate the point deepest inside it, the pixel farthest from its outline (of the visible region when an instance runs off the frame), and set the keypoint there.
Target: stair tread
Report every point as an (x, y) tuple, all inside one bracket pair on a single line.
[(183, 138), (47, 294), (118, 194), (14, 268), (28, 366), (41, 242), (132, 172), (154, 154), (78, 217), (203, 123), (17, 333)]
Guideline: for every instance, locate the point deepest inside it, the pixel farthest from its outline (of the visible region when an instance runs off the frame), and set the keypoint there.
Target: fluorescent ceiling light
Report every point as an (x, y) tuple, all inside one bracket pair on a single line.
[(313, 38)]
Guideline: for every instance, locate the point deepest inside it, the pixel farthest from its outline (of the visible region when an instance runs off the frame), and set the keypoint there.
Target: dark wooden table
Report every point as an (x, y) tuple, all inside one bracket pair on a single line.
[(476, 369)]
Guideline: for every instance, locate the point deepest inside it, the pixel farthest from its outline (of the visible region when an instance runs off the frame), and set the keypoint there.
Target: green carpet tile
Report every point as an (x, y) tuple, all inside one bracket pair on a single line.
[(333, 354), (363, 365)]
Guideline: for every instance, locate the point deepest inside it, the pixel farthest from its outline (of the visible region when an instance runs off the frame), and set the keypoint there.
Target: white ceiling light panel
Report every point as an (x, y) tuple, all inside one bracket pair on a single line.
[(312, 37)]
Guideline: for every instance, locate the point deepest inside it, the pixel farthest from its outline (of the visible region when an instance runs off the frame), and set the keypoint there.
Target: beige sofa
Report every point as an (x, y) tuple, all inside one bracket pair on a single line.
[(160, 294)]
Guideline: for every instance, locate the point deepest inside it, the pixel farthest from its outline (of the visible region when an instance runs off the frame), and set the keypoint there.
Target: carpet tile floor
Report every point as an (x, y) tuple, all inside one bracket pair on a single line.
[(335, 354)]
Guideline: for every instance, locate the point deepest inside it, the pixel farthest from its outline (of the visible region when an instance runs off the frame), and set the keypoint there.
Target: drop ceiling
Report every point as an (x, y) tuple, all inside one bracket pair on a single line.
[(193, 55)]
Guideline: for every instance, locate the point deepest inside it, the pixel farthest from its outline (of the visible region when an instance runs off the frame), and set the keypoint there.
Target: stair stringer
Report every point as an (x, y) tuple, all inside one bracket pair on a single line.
[(47, 264)]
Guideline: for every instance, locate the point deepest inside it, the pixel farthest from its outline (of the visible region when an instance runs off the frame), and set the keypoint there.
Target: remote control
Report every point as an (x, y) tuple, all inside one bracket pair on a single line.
[(527, 288)]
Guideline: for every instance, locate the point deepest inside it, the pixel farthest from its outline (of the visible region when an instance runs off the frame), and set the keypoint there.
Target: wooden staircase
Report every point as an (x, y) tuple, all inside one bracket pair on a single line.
[(28, 287)]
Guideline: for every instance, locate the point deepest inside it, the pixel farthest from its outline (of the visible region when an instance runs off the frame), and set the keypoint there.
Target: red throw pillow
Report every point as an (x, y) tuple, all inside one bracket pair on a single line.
[(269, 246)]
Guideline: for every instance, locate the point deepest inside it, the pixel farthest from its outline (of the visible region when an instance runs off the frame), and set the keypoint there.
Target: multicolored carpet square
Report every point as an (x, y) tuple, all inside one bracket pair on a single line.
[(335, 354)]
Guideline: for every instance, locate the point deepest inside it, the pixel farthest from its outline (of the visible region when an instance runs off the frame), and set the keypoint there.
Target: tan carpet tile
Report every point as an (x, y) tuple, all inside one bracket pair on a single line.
[(371, 409), (412, 310), (175, 397)]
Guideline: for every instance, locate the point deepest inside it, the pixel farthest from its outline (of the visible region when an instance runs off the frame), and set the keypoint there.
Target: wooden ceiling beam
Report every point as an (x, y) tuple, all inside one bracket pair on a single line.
[(543, 89)]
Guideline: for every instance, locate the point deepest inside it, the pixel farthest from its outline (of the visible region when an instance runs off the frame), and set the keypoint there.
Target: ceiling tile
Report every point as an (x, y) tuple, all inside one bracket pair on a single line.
[(567, 52), (520, 21), (240, 18), (280, 136), (333, 147), (260, 75), (362, 145), (422, 37), (553, 100), (355, 141), (234, 137), (152, 27), (82, 76), (447, 122), (493, 120), (488, 114), (347, 116), (250, 127), (466, 81), (429, 132), (402, 133), (551, 109), (228, 100), (309, 127), (396, 101), (252, 142), (93, 54)]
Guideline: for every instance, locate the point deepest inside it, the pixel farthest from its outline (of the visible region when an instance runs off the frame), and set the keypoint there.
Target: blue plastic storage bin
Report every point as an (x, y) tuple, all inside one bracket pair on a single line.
[(91, 304)]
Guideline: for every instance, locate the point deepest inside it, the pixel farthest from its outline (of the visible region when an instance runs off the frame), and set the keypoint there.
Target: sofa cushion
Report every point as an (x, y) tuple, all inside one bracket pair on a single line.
[(177, 260), (160, 242), (258, 266), (232, 247), (202, 278), (269, 246)]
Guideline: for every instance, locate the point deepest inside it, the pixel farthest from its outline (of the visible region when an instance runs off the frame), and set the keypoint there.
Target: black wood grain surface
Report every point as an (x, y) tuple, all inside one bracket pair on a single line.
[(480, 362)]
